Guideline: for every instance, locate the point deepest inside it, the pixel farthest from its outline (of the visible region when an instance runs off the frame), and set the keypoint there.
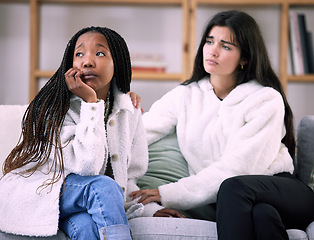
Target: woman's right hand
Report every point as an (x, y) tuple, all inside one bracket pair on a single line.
[(78, 87), (167, 212)]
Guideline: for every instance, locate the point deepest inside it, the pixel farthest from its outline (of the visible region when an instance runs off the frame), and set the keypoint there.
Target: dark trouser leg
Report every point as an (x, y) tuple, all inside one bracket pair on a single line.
[(206, 212), (238, 197), (267, 223)]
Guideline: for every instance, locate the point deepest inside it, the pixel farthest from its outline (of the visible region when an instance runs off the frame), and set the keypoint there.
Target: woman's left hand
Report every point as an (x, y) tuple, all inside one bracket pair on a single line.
[(147, 196), (136, 100), (167, 212)]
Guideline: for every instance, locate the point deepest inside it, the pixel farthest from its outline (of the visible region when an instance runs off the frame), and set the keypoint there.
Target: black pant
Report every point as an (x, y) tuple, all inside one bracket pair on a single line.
[(205, 212), (263, 207)]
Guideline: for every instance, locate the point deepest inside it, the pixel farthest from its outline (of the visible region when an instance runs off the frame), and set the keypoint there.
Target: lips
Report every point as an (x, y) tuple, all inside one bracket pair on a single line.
[(211, 62), (88, 75)]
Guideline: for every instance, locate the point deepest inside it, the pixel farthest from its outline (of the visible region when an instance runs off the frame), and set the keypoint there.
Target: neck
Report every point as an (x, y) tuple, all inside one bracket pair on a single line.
[(222, 86), (102, 93)]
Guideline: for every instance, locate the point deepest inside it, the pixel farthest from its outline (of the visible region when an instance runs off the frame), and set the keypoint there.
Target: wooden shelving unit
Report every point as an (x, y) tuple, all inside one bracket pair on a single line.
[(189, 24), (36, 73), (288, 4)]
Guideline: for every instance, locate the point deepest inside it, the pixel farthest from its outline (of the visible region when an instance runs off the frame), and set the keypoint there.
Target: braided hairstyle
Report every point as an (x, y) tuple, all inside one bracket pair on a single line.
[(44, 117)]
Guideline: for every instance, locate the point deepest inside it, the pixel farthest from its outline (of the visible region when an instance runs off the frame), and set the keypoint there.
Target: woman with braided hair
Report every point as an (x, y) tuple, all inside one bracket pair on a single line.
[(83, 147)]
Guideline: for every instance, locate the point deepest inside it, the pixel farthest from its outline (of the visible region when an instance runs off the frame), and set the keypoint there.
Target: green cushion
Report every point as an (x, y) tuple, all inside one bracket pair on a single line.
[(166, 164)]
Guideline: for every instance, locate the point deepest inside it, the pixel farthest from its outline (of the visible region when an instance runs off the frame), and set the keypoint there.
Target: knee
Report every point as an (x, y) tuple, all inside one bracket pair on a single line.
[(108, 185), (235, 190), (102, 180), (230, 186), (264, 212), (79, 226)]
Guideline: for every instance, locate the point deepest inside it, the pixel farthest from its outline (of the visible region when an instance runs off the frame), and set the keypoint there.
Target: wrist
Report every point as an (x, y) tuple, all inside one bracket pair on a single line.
[(91, 100)]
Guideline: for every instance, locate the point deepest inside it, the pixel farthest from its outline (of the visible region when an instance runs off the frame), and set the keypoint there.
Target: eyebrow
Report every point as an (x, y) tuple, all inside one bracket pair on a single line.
[(223, 41), (98, 44), (79, 46)]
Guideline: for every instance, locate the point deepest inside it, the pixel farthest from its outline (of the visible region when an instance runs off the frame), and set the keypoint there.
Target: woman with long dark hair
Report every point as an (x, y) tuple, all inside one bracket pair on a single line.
[(235, 129)]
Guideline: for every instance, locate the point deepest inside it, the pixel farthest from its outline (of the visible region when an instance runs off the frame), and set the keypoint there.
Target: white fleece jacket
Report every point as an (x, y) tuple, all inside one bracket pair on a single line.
[(219, 139), (26, 209)]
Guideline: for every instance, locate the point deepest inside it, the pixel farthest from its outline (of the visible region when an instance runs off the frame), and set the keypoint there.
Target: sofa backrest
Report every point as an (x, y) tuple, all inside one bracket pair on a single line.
[(10, 132), (10, 129)]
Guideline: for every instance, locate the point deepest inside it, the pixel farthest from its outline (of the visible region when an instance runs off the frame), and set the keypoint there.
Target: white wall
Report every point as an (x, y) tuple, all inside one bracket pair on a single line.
[(152, 29), (14, 53)]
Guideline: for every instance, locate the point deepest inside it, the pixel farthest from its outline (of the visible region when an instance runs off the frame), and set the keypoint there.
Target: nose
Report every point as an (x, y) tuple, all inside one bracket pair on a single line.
[(211, 49), (88, 62), (214, 51)]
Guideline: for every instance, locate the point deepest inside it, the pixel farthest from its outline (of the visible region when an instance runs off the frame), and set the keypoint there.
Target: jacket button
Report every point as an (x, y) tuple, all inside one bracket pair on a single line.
[(111, 123), (94, 108), (114, 157)]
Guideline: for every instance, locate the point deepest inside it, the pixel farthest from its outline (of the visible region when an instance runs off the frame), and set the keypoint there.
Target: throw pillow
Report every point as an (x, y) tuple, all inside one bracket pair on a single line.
[(166, 164)]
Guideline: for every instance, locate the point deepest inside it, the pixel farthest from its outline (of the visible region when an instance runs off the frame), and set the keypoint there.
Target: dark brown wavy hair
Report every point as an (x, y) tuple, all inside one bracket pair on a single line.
[(44, 117), (246, 32)]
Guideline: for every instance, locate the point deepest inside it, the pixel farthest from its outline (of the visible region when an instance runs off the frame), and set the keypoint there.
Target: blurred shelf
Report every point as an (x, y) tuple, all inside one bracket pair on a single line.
[(135, 75), (35, 18), (115, 1), (238, 2), (301, 78), (189, 24)]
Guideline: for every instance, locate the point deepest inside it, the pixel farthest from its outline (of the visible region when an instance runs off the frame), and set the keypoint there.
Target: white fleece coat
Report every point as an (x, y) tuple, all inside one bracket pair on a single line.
[(26, 209), (219, 139)]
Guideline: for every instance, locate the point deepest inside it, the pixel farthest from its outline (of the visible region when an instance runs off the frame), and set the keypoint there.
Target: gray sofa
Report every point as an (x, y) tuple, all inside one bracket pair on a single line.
[(149, 228)]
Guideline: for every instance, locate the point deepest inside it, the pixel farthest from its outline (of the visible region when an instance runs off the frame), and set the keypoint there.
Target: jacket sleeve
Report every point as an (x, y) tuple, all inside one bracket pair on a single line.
[(253, 146), (162, 118), (137, 166), (83, 138)]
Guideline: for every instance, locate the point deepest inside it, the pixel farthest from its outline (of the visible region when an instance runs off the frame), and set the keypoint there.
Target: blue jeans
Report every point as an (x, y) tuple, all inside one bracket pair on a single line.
[(92, 207)]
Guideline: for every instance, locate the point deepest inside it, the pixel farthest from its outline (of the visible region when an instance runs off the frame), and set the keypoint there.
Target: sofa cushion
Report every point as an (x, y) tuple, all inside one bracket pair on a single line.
[(310, 231), (296, 234), (160, 228), (166, 164), (152, 228), (60, 236), (10, 129)]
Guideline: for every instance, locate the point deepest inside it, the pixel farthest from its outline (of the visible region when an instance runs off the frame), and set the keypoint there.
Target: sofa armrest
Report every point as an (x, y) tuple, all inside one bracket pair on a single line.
[(305, 149), (10, 129)]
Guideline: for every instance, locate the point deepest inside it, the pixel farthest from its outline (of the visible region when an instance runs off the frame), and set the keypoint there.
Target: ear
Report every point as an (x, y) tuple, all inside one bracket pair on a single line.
[(243, 61)]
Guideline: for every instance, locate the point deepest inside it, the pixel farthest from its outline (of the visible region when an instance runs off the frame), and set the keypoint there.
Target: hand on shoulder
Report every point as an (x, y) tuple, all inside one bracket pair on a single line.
[(136, 100)]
